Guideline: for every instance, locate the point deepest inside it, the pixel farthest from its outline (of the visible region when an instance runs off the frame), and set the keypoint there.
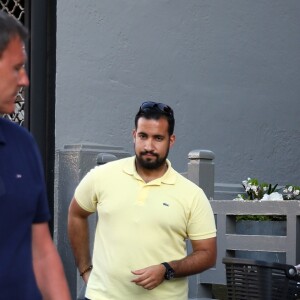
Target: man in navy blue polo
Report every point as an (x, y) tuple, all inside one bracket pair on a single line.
[(30, 267)]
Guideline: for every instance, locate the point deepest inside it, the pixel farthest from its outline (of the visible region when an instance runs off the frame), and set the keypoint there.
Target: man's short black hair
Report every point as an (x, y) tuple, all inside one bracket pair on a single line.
[(10, 28), (155, 110)]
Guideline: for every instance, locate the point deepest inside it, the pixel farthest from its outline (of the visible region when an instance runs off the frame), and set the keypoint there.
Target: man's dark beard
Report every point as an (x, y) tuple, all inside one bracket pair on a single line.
[(151, 165)]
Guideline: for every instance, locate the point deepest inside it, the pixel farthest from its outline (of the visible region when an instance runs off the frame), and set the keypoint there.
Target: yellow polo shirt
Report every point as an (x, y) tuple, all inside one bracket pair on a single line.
[(140, 224)]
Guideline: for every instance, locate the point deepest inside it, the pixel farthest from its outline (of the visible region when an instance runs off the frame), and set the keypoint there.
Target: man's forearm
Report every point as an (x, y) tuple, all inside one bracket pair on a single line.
[(197, 262), (202, 258), (79, 238), (50, 277), (190, 265), (47, 265)]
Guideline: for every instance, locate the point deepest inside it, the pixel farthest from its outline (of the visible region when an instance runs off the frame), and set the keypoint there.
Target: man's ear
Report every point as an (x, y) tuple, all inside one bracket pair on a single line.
[(172, 140), (134, 135)]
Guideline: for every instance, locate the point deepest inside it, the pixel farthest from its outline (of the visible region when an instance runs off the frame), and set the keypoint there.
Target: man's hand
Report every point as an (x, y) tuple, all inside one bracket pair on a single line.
[(150, 277)]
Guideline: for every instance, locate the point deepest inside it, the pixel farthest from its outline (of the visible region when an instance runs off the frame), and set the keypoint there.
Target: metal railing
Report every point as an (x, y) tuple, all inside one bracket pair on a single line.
[(229, 241)]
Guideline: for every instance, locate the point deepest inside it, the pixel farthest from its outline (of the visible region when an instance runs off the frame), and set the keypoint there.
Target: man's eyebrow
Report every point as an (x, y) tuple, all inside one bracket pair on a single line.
[(142, 132)]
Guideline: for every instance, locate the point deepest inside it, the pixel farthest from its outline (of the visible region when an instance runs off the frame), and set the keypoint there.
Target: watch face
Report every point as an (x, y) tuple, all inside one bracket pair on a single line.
[(169, 274)]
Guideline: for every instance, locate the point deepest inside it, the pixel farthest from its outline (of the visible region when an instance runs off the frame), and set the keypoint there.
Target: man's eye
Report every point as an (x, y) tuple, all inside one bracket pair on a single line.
[(159, 138), (19, 67)]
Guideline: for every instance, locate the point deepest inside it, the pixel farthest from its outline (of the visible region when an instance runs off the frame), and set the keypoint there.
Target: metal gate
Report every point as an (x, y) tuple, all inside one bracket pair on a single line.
[(17, 9)]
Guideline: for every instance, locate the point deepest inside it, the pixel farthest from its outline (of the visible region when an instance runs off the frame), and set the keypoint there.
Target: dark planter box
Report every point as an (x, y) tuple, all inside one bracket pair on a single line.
[(249, 227)]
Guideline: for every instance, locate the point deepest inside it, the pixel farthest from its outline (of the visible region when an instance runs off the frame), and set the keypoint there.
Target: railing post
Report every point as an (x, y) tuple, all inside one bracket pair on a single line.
[(201, 170), (72, 163)]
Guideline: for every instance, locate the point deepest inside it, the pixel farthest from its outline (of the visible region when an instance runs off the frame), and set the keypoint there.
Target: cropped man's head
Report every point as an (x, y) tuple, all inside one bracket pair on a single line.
[(154, 110), (9, 29), (13, 57)]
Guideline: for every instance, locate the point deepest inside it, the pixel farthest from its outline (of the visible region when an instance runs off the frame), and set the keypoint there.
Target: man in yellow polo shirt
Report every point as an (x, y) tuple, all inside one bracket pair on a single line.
[(146, 211)]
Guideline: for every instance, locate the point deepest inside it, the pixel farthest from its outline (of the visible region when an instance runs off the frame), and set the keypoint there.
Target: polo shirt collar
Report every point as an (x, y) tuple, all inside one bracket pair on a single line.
[(168, 178)]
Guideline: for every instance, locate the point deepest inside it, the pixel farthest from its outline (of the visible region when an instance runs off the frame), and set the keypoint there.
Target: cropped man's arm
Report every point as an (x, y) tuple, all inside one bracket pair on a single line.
[(78, 231), (47, 265), (202, 258)]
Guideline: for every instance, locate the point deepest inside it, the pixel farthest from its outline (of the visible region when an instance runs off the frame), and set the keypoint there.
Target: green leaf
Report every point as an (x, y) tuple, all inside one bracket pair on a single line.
[(274, 188)]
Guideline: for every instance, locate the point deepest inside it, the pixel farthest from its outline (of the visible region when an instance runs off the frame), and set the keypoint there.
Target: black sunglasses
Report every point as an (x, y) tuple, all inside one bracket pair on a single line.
[(166, 109)]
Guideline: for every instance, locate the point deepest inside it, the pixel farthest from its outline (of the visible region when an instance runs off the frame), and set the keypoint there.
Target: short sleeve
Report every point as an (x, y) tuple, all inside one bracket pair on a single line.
[(201, 224), (85, 193)]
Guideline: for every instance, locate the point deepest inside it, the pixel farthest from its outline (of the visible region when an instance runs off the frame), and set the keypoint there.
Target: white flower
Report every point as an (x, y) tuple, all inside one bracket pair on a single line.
[(254, 188), (245, 182), (265, 197), (296, 192), (273, 197), (239, 197), (290, 188)]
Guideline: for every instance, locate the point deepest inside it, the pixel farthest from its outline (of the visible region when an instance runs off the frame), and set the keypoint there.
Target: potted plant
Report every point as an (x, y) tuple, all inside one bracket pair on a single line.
[(261, 224)]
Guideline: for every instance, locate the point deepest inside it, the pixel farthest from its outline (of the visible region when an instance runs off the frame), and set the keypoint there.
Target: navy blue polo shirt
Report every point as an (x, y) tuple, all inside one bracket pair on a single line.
[(23, 202)]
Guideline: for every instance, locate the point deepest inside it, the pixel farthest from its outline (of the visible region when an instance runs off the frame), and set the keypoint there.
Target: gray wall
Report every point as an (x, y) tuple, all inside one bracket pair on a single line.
[(230, 69)]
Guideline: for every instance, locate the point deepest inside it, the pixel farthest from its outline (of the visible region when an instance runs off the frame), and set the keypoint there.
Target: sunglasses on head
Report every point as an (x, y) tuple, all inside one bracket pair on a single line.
[(149, 105)]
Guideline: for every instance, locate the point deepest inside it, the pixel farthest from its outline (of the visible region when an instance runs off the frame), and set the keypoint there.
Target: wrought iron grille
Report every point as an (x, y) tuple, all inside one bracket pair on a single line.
[(16, 9)]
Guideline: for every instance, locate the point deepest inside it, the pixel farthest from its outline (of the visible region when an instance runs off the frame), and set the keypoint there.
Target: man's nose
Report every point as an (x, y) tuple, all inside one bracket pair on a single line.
[(23, 80), (148, 145)]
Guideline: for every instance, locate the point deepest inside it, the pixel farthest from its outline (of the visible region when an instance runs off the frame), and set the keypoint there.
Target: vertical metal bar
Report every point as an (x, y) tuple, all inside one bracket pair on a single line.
[(50, 103), (27, 23), (38, 73), (42, 87)]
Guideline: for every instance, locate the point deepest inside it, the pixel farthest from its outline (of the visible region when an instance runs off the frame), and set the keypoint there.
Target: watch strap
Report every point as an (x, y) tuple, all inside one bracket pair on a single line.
[(169, 274)]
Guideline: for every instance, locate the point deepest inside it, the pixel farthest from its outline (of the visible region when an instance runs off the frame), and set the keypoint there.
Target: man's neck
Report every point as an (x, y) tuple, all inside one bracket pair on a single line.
[(151, 174)]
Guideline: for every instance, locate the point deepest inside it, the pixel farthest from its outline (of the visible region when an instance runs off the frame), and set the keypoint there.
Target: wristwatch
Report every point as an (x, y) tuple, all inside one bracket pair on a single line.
[(170, 273)]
